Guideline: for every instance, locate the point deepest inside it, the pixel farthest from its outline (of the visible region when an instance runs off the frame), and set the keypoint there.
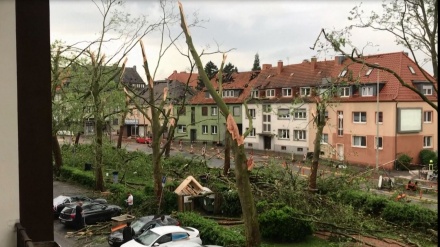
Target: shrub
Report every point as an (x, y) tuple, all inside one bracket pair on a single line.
[(403, 162), (426, 155), (210, 231), (231, 204), (410, 215), (284, 225)]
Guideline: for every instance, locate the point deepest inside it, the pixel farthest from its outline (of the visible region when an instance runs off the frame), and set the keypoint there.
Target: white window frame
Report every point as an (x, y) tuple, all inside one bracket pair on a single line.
[(427, 89), (284, 115), (340, 123), (252, 113), (343, 73), (236, 111), (324, 138), (356, 141), (359, 113), (267, 108), (300, 135), (252, 133), (286, 92), (214, 130), (305, 91), (205, 129), (181, 128), (283, 134), (378, 117), (367, 91), (228, 94), (344, 92), (427, 117), (368, 71), (255, 94), (380, 143), (427, 142), (270, 93), (214, 111), (300, 113)]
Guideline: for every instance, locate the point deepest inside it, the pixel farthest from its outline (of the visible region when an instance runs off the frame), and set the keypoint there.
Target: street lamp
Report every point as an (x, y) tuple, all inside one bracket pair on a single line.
[(377, 120)]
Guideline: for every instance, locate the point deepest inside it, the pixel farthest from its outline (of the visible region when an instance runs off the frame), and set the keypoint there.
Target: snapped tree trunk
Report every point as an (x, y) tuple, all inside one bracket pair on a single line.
[(58, 158), (320, 122)]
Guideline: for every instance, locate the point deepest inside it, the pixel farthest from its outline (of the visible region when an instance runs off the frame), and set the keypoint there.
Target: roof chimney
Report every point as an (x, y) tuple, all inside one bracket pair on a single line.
[(339, 60), (134, 67), (313, 62), (266, 66), (280, 66)]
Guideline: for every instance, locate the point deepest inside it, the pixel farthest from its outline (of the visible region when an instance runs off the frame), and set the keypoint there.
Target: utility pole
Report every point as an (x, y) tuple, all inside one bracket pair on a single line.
[(377, 121)]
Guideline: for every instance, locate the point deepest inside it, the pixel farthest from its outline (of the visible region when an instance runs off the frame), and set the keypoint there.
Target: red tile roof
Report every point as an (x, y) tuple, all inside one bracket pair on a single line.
[(183, 77), (240, 80)]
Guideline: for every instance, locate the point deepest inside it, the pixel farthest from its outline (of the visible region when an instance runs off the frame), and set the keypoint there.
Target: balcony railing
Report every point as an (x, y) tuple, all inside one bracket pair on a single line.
[(23, 239)]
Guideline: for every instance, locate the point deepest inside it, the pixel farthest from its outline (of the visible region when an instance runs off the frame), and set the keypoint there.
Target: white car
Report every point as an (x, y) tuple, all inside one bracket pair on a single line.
[(186, 244), (164, 234)]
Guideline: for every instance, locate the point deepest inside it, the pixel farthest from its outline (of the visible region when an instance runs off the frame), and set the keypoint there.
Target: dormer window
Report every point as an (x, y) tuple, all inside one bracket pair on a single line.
[(367, 91), (344, 92), (342, 74), (427, 89), (254, 94), (270, 93), (305, 91), (287, 92), (411, 69), (228, 94), (368, 71)]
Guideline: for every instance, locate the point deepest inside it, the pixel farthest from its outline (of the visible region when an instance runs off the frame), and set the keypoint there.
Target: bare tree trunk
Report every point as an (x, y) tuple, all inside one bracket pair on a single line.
[(78, 135), (227, 163), (320, 122), (121, 132), (58, 158), (98, 155), (252, 228)]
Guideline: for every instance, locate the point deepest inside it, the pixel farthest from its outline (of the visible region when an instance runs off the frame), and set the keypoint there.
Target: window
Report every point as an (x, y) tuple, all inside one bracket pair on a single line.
[(204, 111), (207, 95), (182, 111), (427, 89), (181, 128), (266, 127), (359, 117), (270, 93), (115, 121), (299, 149), (343, 73), (283, 114), (300, 114), (344, 92), (305, 91), (283, 134), (368, 71), (411, 69), (378, 143), (250, 145), (214, 111), (266, 123), (324, 138), (251, 133), (359, 141), (283, 148), (205, 129), (213, 129), (367, 91), (236, 110), (427, 141), (267, 108), (251, 113), (254, 94), (228, 94), (299, 135), (427, 117), (287, 92), (340, 123), (380, 118)]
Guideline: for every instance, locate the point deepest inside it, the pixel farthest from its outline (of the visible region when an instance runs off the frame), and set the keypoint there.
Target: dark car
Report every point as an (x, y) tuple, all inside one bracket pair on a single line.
[(139, 226), (93, 212), (60, 202)]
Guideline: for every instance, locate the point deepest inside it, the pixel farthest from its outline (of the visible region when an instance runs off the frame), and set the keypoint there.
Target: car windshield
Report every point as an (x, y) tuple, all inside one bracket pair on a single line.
[(147, 238), (137, 225)]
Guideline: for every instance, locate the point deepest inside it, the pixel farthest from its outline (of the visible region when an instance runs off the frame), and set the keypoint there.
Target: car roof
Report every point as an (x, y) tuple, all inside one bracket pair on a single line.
[(167, 229)]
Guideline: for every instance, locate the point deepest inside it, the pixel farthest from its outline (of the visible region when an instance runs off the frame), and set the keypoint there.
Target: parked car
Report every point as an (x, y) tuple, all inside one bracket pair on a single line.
[(145, 140), (165, 234), (139, 226), (186, 244), (60, 202), (92, 212)]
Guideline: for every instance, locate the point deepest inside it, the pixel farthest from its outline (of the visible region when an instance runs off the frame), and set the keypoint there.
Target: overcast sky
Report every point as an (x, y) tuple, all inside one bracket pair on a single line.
[(276, 30)]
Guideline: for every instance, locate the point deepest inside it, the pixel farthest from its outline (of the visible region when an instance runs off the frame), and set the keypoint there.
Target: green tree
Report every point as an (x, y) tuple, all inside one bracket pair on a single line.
[(256, 65)]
